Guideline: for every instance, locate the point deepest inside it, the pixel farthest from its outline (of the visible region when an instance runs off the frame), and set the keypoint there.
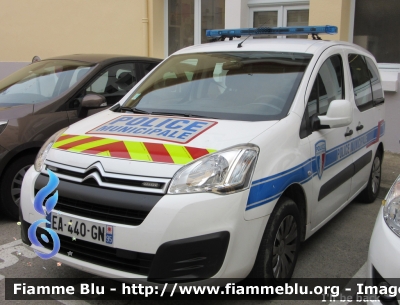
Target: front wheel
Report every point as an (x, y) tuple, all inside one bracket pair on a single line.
[(11, 183), (280, 245), (370, 193)]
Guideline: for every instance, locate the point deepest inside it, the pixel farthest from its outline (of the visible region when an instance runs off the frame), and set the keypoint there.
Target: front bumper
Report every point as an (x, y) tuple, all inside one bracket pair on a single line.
[(183, 238), (182, 260), (383, 257)]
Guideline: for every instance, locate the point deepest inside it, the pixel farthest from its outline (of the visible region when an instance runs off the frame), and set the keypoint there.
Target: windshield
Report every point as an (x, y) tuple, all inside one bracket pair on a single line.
[(246, 86), (41, 81)]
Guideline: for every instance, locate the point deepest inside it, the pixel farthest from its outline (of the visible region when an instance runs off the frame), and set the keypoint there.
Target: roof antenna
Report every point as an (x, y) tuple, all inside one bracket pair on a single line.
[(260, 27), (240, 43)]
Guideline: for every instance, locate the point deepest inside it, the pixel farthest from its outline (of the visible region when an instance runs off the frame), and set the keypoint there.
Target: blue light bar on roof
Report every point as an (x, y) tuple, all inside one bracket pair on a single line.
[(289, 30)]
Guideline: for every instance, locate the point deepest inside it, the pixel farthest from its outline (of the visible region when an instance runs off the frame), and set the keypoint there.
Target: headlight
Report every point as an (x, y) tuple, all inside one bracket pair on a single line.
[(391, 209), (223, 172), (42, 154)]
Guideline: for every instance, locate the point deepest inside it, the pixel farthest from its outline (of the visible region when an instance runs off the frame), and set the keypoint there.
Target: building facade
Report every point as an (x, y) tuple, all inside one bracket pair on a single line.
[(157, 28)]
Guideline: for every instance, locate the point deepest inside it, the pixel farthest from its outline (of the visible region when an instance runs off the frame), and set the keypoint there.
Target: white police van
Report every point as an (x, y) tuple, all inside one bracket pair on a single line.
[(218, 163)]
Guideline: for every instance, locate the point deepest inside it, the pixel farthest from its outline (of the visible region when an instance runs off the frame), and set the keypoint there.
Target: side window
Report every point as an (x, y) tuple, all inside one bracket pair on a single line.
[(377, 92), (99, 85), (148, 67), (78, 75), (327, 87), (360, 76), (114, 82)]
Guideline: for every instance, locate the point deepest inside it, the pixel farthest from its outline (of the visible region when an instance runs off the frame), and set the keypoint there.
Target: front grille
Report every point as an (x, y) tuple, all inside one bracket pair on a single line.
[(110, 180), (95, 175), (101, 212), (118, 259), (112, 206)]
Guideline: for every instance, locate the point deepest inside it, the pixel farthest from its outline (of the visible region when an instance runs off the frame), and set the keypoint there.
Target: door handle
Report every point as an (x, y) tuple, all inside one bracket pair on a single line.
[(349, 132), (359, 127)]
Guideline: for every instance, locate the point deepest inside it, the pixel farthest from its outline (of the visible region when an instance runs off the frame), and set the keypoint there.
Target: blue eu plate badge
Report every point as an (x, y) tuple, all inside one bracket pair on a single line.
[(109, 235)]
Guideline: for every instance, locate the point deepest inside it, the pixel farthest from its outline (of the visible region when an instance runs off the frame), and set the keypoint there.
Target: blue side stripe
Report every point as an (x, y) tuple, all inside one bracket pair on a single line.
[(273, 187), (342, 151), (268, 189), (282, 173), (265, 201), (257, 204)]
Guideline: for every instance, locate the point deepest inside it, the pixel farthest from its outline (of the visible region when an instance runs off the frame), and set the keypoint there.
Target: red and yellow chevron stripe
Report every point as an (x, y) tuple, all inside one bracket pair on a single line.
[(141, 151)]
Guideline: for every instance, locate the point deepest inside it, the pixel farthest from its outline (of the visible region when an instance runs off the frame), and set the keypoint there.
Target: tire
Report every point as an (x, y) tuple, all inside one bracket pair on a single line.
[(11, 183), (370, 193), (280, 245)]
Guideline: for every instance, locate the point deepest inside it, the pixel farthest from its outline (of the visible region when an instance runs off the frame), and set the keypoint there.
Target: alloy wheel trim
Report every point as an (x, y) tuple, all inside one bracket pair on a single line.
[(16, 184), (375, 175), (284, 247)]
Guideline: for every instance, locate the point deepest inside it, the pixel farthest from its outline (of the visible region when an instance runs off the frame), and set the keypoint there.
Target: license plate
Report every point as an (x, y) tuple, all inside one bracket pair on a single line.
[(82, 229)]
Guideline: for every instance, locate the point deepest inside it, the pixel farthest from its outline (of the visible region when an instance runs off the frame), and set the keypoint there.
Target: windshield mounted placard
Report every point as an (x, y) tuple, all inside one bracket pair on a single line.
[(172, 129)]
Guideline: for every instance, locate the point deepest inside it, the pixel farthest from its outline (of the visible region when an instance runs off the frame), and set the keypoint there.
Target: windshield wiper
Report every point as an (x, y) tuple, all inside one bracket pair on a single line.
[(182, 114), (137, 110), (125, 109), (134, 110)]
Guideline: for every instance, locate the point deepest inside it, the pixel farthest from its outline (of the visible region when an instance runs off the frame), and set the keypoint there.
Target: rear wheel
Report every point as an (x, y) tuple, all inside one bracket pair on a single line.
[(11, 183), (277, 255), (370, 193)]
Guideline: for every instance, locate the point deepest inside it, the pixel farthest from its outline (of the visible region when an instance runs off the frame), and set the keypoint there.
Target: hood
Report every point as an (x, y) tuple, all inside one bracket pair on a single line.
[(15, 112), (112, 138)]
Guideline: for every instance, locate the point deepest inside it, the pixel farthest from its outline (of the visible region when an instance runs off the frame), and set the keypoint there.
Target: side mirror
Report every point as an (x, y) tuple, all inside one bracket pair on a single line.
[(93, 101), (340, 114)]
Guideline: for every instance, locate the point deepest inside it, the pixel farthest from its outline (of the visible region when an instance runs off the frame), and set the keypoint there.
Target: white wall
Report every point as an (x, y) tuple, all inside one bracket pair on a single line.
[(236, 14), (391, 85), (6, 68)]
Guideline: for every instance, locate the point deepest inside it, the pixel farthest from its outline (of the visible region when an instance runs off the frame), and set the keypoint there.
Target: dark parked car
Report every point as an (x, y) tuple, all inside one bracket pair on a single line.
[(45, 96)]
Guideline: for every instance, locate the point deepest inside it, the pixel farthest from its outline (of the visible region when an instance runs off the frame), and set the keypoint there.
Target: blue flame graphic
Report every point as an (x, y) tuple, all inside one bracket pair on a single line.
[(50, 204)]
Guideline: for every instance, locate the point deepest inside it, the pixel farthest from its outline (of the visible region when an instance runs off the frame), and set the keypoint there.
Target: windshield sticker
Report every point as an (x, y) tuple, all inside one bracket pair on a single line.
[(172, 129)]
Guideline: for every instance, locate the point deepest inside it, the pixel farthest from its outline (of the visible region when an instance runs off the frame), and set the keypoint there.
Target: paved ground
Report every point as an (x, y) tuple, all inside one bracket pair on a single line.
[(390, 169)]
